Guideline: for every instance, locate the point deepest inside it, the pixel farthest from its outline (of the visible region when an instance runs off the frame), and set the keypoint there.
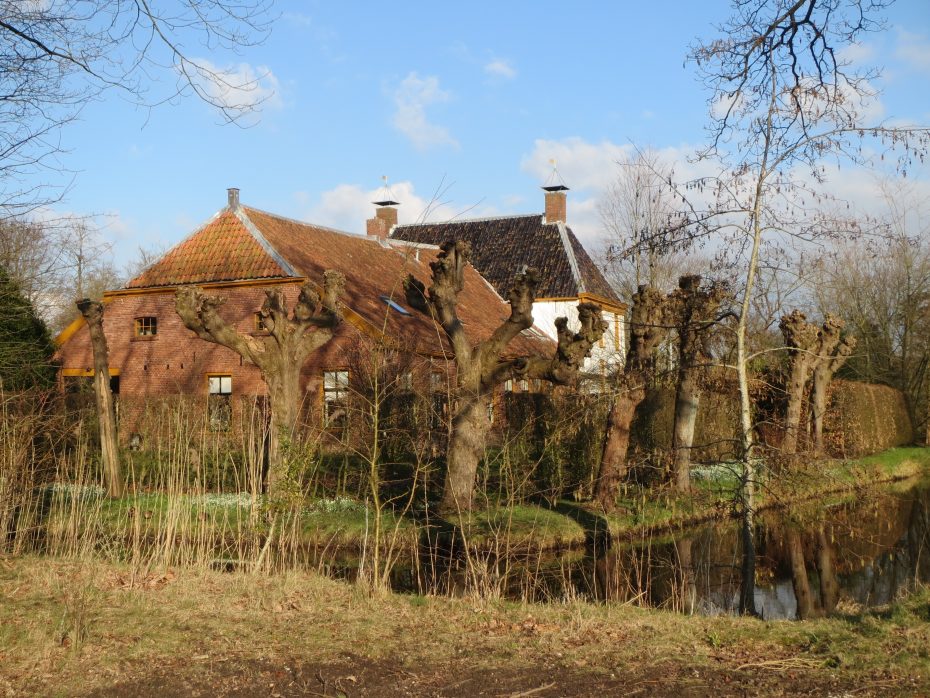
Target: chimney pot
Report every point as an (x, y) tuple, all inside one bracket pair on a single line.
[(232, 196)]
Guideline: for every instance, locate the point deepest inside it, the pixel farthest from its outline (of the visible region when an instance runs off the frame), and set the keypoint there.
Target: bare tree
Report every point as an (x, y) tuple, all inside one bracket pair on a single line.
[(813, 352), (802, 340), (647, 329), (693, 310), (781, 101), (833, 350), (644, 237), (280, 354), (106, 409), (56, 56), (881, 288), (481, 366), (57, 262)]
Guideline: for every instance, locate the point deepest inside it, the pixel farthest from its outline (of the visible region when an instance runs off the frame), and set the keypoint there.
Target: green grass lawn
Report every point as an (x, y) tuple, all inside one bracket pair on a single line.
[(347, 523)]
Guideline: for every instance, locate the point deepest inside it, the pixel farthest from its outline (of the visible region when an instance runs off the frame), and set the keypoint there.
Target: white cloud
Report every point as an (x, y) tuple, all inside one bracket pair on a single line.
[(347, 206), (500, 68), (857, 54), (238, 88), (913, 49), (411, 98)]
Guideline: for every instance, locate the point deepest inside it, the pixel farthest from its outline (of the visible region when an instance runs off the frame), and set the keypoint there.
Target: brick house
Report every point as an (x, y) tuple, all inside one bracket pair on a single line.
[(505, 244), (238, 254)]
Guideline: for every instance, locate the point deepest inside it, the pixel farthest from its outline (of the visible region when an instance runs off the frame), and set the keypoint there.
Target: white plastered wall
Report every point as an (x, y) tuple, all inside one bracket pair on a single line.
[(607, 354)]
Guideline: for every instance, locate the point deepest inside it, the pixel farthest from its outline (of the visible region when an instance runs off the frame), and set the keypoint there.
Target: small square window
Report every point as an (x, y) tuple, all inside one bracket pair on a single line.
[(146, 326), (258, 323)]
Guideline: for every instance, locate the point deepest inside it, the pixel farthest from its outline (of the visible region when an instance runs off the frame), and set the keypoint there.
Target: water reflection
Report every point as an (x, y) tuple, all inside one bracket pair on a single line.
[(810, 557)]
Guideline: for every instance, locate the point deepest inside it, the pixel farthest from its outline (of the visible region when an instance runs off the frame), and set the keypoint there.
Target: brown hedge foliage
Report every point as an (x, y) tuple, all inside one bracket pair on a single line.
[(862, 419), (716, 432), (865, 418)]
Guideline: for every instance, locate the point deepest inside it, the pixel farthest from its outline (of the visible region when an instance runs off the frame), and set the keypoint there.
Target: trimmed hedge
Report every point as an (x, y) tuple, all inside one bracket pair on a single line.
[(865, 418), (716, 432), (862, 419)]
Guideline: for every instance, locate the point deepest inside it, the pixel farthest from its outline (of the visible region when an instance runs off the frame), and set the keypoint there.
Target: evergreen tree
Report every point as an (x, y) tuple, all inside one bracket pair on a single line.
[(25, 346)]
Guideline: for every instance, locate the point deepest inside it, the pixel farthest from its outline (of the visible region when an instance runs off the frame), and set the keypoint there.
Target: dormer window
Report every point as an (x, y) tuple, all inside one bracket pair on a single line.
[(146, 326)]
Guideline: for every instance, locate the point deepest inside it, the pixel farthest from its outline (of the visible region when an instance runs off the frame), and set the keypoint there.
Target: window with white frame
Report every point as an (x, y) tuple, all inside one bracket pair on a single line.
[(219, 401), (335, 399)]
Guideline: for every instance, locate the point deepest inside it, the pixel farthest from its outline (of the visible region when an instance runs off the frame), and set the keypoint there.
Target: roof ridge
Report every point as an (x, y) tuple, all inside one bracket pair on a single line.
[(242, 216), (306, 223), (481, 219), (564, 232)]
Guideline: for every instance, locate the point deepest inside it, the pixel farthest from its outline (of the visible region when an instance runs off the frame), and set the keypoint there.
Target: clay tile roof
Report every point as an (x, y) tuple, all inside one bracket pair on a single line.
[(374, 270), (502, 246), (222, 250)]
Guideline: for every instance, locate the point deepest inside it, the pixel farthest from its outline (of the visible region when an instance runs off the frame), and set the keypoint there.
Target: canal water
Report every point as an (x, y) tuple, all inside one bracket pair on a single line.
[(814, 558)]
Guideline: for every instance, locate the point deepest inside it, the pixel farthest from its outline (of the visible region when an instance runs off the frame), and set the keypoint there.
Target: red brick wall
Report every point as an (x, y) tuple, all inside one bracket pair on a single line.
[(556, 205), (175, 361)]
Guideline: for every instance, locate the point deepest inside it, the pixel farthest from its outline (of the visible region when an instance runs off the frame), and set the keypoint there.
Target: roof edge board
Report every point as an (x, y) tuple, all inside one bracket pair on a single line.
[(570, 254)]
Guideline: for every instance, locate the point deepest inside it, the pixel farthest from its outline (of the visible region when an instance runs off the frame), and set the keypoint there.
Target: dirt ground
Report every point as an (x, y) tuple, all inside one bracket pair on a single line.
[(90, 629), (354, 676)]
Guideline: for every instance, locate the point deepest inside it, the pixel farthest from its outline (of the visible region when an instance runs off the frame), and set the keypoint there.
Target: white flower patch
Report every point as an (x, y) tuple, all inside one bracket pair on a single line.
[(74, 491), (335, 505)]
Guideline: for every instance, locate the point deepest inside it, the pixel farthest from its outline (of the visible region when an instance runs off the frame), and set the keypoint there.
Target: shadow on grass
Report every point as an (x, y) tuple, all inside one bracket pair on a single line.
[(596, 527)]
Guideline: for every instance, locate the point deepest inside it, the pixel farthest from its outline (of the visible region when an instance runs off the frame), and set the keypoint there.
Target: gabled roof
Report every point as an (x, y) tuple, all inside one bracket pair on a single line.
[(502, 246), (244, 243), (224, 249)]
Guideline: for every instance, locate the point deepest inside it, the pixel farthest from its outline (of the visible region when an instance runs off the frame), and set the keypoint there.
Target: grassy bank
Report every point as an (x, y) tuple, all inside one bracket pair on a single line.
[(236, 526), (69, 628), (651, 510)]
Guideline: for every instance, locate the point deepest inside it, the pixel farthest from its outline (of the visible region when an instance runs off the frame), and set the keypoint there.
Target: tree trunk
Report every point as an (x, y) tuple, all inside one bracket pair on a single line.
[(802, 587), (687, 399), (819, 404), (829, 586), (683, 547), (283, 387), (616, 443), (466, 447), (796, 384), (106, 412)]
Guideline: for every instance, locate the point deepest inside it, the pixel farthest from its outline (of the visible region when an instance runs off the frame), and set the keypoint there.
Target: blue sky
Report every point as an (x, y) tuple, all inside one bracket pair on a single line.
[(475, 96)]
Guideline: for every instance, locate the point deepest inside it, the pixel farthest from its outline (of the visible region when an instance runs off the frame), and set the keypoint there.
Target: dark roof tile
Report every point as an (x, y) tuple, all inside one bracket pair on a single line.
[(501, 247)]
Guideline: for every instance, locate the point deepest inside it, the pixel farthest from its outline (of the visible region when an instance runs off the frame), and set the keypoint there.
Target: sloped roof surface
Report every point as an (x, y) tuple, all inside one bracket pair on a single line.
[(373, 270), (502, 246), (222, 250)]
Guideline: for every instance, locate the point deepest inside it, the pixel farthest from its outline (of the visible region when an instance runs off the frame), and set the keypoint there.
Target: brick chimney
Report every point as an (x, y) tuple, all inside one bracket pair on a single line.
[(385, 219), (556, 199), (232, 197)]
